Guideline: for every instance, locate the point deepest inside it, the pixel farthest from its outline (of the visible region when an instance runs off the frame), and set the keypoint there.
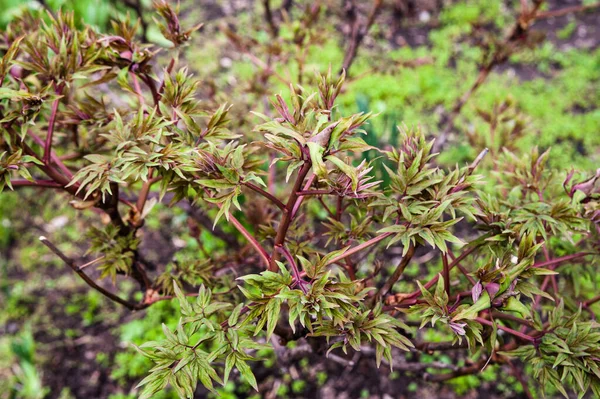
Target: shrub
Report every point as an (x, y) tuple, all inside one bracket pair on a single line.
[(94, 117)]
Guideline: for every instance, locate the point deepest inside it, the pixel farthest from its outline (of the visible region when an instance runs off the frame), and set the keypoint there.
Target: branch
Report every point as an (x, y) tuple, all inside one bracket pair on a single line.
[(35, 183), (517, 334), (359, 248), (199, 216), (389, 284), (315, 192), (430, 283), (73, 265), (358, 32), (53, 156), (566, 10), (286, 253), (562, 259), (51, 123), (430, 347), (446, 274), (269, 17), (286, 219), (141, 202), (265, 194), (255, 244)]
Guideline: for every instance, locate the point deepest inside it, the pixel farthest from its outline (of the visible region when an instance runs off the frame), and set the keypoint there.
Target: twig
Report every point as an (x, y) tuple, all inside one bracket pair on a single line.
[(326, 207), (138, 89), (286, 253), (358, 32), (520, 376), (53, 156), (35, 183), (73, 265), (456, 261), (567, 10), (430, 347), (472, 369), (51, 123), (509, 330), (91, 262), (566, 258), (255, 244), (269, 17), (359, 248), (143, 197), (265, 194), (200, 216), (315, 192), (389, 284), (287, 217), (446, 273)]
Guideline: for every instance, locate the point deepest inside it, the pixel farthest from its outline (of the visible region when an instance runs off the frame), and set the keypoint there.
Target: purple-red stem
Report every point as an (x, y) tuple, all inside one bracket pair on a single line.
[(517, 334), (287, 217), (51, 123), (265, 194), (286, 253), (359, 248)]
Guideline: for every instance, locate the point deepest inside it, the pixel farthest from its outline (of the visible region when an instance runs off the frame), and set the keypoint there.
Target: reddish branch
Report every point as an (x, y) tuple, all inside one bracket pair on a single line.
[(265, 194), (509, 330), (359, 248), (389, 284), (264, 255), (562, 259), (359, 31), (51, 123), (434, 280), (567, 10), (295, 271), (286, 219), (467, 370), (56, 160), (143, 197), (273, 28), (35, 183), (446, 273), (73, 265)]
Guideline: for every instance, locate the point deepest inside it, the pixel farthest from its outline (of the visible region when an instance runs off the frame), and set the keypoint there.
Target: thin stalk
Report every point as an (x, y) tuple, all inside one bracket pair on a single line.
[(517, 334), (315, 192), (286, 253), (286, 219), (434, 280), (565, 11), (446, 272), (359, 248), (51, 123), (309, 183), (73, 265), (255, 244), (265, 194), (389, 284), (141, 202), (562, 259), (36, 183), (53, 156)]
